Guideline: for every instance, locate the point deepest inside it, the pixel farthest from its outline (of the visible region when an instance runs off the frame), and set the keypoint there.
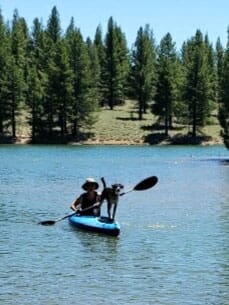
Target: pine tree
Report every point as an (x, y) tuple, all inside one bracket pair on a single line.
[(167, 82), (212, 75), (53, 26), (17, 68), (37, 81), (63, 78), (219, 64), (224, 96), (101, 54), (143, 69), (53, 37), (199, 87), (83, 103), (94, 70), (4, 56), (116, 64)]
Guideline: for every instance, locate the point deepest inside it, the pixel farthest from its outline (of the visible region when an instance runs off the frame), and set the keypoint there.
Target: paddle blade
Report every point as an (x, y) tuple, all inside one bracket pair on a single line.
[(146, 184), (47, 222)]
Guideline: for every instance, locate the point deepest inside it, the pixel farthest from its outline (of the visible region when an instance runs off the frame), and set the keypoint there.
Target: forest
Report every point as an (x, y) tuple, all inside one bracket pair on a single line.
[(60, 80)]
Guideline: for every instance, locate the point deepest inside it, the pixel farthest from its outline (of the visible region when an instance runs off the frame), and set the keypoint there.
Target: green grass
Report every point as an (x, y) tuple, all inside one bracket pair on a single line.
[(121, 126)]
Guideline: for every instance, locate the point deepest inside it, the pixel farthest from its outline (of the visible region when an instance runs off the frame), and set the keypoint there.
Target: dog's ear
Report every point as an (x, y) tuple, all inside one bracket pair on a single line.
[(121, 186)]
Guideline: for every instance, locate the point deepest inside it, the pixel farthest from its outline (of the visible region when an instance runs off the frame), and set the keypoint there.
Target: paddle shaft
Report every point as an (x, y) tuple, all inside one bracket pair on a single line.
[(51, 222), (62, 218), (127, 192), (84, 210), (143, 185)]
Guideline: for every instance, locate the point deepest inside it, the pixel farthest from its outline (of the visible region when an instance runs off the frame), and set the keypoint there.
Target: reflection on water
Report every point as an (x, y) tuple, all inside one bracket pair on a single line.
[(95, 242), (173, 247)]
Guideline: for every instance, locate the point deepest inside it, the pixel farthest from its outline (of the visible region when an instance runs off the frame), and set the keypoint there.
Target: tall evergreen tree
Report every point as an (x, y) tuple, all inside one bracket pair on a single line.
[(224, 96), (219, 64), (94, 70), (4, 56), (199, 87), (53, 26), (61, 83), (116, 64), (124, 62), (143, 69), (53, 37), (101, 54), (167, 82), (17, 67), (212, 74), (37, 81), (84, 104)]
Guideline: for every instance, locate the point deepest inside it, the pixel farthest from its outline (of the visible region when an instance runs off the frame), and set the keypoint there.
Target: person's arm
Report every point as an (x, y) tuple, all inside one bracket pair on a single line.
[(98, 202), (76, 204)]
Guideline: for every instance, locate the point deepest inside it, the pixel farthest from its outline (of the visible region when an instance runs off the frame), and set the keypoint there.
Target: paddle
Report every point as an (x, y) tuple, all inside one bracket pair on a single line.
[(143, 185), (52, 222)]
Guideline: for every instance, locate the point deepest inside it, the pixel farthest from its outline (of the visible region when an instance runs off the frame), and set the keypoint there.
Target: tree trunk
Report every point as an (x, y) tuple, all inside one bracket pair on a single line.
[(1, 126), (111, 98), (140, 110), (166, 120), (13, 121), (170, 121), (166, 126), (194, 120)]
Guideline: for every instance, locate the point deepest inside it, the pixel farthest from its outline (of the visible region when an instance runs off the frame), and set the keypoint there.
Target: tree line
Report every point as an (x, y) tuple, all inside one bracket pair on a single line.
[(60, 80)]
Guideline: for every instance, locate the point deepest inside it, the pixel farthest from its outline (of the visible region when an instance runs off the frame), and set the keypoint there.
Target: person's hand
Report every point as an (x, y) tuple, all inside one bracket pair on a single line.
[(97, 204)]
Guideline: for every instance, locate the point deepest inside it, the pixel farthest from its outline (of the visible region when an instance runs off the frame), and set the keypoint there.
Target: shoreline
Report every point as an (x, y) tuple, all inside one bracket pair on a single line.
[(201, 141), (122, 127)]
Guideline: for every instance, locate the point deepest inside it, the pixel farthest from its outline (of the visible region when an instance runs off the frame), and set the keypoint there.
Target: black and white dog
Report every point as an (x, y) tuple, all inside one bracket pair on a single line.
[(111, 195)]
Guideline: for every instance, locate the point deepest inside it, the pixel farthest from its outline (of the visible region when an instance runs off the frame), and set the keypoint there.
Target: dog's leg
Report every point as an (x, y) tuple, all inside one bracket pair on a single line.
[(109, 209), (103, 192), (114, 210)]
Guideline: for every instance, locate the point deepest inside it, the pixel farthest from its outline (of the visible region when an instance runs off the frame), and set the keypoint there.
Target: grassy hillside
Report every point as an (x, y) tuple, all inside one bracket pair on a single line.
[(121, 126)]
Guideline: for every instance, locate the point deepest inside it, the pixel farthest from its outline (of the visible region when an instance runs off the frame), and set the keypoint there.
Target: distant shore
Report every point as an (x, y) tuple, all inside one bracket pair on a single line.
[(169, 141), (121, 126)]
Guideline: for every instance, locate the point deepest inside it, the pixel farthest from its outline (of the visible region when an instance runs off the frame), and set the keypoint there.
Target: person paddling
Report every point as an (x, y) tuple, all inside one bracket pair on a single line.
[(90, 198)]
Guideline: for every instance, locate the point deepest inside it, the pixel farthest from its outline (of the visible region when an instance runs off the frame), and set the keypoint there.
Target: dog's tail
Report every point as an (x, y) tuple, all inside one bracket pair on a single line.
[(103, 182)]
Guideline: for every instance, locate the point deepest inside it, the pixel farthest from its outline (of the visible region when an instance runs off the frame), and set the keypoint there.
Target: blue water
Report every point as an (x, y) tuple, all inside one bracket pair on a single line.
[(174, 241)]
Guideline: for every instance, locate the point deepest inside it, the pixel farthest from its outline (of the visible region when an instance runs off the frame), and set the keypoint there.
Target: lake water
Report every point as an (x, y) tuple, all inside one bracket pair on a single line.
[(174, 243)]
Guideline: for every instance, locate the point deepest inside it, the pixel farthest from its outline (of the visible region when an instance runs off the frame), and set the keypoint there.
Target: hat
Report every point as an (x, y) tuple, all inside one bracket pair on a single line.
[(88, 182)]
